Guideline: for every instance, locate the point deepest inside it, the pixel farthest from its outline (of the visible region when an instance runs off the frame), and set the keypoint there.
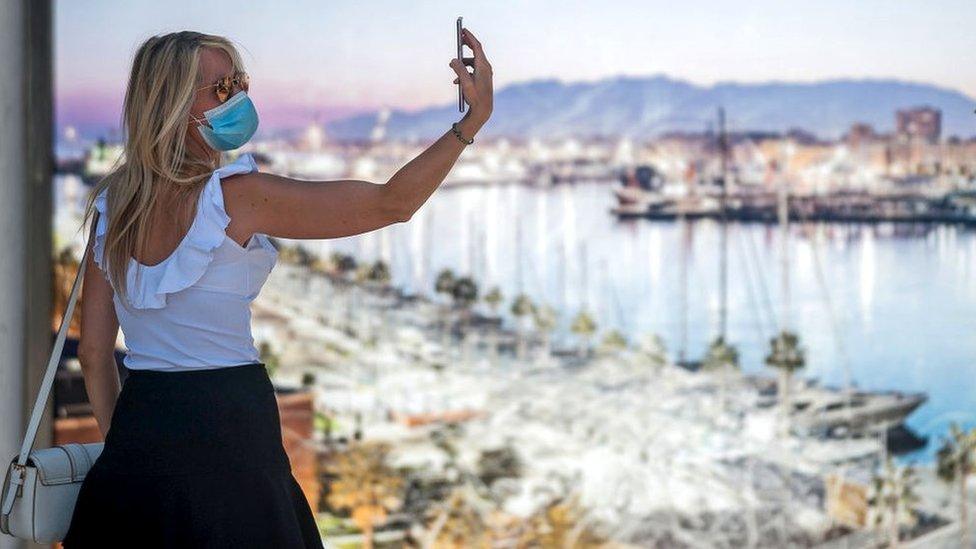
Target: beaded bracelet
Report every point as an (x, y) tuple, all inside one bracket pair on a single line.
[(457, 132)]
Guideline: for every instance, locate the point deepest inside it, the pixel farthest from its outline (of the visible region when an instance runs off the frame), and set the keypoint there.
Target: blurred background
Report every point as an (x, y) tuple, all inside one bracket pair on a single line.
[(705, 279)]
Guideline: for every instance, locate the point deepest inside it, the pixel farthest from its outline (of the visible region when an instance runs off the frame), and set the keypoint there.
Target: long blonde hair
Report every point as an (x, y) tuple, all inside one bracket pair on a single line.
[(156, 113)]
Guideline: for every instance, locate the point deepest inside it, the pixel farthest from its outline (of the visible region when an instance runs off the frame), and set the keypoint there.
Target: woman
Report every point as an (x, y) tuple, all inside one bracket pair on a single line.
[(193, 455)]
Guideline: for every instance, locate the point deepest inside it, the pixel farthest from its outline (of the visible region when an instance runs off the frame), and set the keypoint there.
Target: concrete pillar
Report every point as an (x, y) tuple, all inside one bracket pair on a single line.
[(13, 206), (26, 114)]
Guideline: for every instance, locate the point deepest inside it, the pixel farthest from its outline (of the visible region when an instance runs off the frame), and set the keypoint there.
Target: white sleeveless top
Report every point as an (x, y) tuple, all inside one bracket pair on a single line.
[(192, 311)]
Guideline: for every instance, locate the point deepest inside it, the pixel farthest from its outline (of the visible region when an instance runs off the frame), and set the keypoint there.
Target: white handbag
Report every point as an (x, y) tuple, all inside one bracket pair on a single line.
[(41, 486)]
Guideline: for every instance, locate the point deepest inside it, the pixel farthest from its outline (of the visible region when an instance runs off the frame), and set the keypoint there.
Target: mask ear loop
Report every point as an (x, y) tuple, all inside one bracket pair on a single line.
[(200, 122)]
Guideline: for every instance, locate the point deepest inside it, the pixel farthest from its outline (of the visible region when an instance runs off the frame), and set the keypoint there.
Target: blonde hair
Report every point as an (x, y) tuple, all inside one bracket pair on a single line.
[(164, 79)]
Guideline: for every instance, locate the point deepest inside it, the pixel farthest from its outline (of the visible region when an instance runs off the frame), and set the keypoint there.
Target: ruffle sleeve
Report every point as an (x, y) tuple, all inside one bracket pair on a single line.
[(98, 248), (187, 264)]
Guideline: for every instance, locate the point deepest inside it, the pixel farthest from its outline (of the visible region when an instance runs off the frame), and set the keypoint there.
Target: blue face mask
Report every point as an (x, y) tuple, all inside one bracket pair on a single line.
[(231, 124)]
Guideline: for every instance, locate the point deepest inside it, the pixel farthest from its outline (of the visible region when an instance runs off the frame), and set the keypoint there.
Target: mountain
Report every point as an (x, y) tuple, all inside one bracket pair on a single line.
[(648, 106)]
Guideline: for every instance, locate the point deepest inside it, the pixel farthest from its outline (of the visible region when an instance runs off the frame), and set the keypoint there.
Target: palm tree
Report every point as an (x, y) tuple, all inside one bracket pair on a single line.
[(787, 357), (444, 285), (323, 265), (465, 295), (324, 423), (584, 327), (379, 277), (499, 463), (288, 254), (366, 486), (545, 322), (379, 273), (653, 350), (345, 265), (445, 282), (891, 500), (956, 461), (303, 257), (362, 273), (340, 265), (522, 307), (494, 299), (723, 358), (361, 278), (613, 342)]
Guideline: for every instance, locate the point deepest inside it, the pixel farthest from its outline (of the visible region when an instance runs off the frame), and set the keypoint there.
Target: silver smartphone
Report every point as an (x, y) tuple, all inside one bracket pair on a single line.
[(461, 59)]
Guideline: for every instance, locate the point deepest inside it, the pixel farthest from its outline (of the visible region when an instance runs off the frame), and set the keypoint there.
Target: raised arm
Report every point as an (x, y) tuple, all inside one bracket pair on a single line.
[(293, 208)]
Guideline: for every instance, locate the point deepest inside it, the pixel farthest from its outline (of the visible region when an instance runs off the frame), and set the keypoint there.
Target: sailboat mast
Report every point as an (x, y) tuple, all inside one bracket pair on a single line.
[(584, 283), (685, 243), (723, 144), (518, 254), (784, 223), (472, 246)]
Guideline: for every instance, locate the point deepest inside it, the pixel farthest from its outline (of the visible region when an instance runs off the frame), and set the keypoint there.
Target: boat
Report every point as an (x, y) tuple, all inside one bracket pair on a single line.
[(823, 411), (818, 410), (640, 188), (643, 191)]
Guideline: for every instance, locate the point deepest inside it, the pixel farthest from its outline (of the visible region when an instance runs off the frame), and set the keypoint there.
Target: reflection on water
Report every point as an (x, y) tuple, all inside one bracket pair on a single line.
[(890, 306)]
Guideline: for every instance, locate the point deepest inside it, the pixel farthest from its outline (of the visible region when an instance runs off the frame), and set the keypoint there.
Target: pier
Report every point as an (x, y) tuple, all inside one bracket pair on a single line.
[(954, 208)]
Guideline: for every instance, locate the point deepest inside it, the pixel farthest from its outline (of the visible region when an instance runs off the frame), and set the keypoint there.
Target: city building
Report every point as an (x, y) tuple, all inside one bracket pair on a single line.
[(919, 123), (859, 135)]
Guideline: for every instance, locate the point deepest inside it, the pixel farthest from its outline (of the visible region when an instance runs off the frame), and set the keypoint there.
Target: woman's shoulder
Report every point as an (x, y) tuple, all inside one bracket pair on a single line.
[(237, 187), (234, 170)]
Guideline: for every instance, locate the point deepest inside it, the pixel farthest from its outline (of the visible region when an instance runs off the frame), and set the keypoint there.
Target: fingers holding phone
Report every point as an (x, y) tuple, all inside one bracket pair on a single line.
[(476, 86), (460, 48)]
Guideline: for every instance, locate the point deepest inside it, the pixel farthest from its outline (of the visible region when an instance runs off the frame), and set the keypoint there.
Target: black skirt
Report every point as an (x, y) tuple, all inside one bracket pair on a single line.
[(193, 459)]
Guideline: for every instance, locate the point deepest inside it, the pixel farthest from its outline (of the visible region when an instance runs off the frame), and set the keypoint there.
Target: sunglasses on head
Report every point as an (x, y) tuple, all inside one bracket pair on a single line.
[(224, 87)]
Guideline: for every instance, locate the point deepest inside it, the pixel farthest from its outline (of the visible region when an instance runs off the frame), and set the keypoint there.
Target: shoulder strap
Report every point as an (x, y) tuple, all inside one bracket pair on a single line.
[(52, 364)]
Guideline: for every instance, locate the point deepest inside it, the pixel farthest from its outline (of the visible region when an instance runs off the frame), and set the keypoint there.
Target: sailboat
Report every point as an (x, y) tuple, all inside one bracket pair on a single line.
[(720, 355)]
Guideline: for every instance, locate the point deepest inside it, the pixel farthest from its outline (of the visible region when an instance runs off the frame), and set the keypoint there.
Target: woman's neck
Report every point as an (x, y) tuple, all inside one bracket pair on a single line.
[(201, 152)]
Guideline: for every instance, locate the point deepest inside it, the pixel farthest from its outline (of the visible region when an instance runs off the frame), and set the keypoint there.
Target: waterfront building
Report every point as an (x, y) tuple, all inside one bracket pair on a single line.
[(919, 124)]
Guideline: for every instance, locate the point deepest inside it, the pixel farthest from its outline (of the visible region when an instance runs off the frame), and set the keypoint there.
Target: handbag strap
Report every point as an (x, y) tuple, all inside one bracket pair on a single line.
[(52, 364)]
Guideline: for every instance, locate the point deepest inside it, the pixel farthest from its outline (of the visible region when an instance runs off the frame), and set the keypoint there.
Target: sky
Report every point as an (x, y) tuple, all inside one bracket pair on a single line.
[(327, 59)]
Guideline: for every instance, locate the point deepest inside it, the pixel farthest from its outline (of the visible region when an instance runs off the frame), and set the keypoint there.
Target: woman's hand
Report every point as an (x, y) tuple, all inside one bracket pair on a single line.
[(476, 86)]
